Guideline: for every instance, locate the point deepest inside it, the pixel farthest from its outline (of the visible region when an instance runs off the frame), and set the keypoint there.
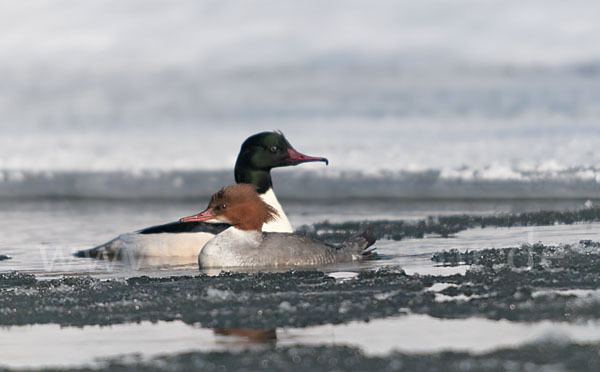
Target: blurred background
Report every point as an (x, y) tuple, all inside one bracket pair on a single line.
[(118, 115), (436, 99)]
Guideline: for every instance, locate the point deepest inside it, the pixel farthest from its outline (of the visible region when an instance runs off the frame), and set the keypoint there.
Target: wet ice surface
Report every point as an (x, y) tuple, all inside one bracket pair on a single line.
[(506, 300), (529, 283), (270, 303), (416, 305), (377, 338), (544, 356)]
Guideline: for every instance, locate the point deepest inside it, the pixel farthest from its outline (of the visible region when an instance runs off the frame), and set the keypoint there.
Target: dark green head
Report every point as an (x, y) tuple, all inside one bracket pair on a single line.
[(262, 152)]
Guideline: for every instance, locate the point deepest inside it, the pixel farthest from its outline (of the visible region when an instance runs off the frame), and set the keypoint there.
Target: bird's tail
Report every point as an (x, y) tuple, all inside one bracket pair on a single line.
[(107, 250), (361, 244)]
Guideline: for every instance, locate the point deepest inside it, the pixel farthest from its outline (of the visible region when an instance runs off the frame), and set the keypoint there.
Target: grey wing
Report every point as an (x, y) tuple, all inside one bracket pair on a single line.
[(297, 249)]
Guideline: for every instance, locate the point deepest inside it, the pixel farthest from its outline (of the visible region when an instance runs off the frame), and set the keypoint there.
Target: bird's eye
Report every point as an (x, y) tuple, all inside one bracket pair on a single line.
[(223, 206), (273, 149)]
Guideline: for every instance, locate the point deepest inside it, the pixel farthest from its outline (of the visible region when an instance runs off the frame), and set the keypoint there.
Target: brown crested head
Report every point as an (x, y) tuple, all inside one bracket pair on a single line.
[(241, 206)]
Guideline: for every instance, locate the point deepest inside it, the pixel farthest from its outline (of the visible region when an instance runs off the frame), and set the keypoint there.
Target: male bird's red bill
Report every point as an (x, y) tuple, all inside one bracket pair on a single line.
[(297, 158)]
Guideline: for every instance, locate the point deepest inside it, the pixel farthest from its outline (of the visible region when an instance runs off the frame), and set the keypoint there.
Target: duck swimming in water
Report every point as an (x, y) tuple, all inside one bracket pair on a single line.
[(244, 244), (258, 155)]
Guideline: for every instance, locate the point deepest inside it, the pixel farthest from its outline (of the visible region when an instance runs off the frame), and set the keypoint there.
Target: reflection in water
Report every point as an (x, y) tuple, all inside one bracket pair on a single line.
[(28, 346), (246, 336)]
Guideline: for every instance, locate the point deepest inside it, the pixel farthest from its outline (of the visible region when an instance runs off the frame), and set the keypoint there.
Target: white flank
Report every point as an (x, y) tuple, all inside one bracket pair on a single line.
[(160, 245)]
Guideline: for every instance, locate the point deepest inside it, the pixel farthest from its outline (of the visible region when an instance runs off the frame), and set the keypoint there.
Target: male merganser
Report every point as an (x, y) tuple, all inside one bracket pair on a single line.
[(258, 155), (244, 244)]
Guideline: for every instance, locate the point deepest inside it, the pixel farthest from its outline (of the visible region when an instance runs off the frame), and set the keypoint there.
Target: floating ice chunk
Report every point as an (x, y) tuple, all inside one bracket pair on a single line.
[(345, 306), (385, 295), (286, 306), (343, 275), (218, 294), (581, 293), (438, 287)]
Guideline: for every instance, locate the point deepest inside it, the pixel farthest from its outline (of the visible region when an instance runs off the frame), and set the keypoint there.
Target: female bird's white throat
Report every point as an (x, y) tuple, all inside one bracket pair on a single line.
[(281, 223)]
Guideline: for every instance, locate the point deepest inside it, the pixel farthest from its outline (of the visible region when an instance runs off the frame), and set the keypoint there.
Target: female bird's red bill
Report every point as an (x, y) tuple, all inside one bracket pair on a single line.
[(205, 215)]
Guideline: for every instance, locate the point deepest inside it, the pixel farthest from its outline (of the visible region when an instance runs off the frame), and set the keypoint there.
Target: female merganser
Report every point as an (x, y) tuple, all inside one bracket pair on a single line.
[(244, 244), (259, 154)]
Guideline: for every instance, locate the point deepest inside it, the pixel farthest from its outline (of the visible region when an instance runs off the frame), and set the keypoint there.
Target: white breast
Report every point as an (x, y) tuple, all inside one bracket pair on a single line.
[(281, 224)]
